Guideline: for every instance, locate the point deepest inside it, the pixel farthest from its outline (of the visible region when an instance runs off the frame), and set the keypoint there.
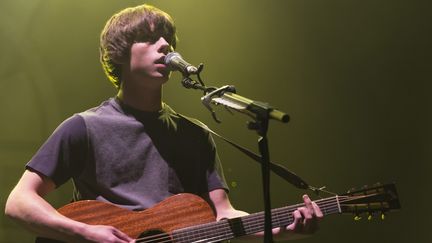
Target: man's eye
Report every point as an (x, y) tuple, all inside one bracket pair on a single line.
[(153, 39)]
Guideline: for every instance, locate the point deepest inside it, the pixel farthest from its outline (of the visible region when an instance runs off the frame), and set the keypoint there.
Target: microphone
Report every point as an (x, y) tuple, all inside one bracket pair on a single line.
[(175, 62)]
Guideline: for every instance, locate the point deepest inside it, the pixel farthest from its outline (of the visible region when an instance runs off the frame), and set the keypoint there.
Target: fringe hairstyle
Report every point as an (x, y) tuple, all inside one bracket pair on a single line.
[(143, 23)]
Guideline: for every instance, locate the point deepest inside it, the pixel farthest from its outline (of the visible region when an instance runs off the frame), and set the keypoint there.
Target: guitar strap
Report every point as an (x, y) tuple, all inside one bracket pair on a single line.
[(278, 169)]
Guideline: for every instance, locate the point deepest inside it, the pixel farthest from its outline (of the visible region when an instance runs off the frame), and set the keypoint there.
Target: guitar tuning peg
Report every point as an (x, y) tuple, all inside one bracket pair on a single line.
[(365, 187), (357, 217), (382, 216), (352, 190), (370, 217), (377, 184)]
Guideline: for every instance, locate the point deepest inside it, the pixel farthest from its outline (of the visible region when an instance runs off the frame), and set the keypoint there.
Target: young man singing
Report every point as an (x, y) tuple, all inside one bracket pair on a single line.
[(133, 149)]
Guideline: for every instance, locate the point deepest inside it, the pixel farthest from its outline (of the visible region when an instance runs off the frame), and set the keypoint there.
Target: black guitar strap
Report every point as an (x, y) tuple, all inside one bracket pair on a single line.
[(278, 169)]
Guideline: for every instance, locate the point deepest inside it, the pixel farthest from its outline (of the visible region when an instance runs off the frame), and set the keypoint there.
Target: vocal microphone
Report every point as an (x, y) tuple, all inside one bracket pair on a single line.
[(175, 62)]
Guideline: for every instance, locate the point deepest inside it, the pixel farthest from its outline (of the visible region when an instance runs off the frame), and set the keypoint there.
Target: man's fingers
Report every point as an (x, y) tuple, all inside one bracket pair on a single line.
[(122, 235), (306, 218), (306, 213), (297, 222), (310, 222), (308, 202), (312, 207), (317, 211), (276, 230)]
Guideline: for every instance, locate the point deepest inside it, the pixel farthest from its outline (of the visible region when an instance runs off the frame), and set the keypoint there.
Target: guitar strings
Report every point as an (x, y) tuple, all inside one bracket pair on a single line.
[(231, 232), (168, 239), (258, 224), (276, 214), (277, 217), (252, 222)]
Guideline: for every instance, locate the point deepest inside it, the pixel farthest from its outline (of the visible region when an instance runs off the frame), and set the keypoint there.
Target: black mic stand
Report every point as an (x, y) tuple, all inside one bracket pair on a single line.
[(262, 113), (261, 126)]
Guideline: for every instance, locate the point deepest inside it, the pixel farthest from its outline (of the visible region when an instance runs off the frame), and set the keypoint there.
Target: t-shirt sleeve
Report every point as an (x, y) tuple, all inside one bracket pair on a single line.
[(215, 175), (208, 156), (64, 152)]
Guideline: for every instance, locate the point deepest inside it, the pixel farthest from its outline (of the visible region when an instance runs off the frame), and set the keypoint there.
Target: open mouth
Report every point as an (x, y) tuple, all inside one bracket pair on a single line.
[(161, 60)]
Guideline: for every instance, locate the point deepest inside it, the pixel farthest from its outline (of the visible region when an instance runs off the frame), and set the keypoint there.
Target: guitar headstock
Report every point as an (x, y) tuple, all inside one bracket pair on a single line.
[(370, 200)]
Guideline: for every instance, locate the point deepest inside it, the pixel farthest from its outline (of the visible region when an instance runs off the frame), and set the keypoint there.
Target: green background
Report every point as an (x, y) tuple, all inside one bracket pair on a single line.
[(353, 75)]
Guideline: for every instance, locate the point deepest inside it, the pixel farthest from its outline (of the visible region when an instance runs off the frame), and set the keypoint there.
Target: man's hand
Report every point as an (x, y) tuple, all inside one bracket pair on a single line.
[(105, 234), (26, 205), (306, 218)]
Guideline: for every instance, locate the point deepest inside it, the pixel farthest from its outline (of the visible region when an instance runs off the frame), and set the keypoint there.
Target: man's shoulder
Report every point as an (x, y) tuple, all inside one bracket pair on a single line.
[(186, 122), (106, 107), (108, 112), (194, 121), (72, 125)]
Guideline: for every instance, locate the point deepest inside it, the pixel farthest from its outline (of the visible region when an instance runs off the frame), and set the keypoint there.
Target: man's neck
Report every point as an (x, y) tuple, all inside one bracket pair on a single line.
[(141, 98)]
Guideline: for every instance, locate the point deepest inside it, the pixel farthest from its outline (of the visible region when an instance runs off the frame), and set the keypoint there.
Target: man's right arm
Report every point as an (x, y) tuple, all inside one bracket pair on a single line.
[(27, 206)]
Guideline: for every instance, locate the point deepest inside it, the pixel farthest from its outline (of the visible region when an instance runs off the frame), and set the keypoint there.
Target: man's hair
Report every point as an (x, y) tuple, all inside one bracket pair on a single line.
[(143, 23)]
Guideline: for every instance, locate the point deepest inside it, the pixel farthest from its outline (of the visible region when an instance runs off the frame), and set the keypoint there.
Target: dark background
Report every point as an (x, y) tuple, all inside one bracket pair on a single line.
[(353, 75)]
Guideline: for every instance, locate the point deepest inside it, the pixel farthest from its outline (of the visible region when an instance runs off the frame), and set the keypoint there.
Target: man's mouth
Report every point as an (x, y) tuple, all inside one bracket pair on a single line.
[(160, 60)]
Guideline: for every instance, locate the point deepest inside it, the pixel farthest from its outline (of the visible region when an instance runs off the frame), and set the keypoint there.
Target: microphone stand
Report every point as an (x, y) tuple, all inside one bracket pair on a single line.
[(262, 113), (261, 127)]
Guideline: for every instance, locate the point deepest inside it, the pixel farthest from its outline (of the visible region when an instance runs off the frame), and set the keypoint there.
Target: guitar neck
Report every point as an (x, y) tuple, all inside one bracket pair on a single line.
[(247, 225)]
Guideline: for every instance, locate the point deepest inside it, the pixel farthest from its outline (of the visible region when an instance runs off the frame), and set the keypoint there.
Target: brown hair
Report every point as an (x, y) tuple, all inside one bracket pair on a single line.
[(143, 23)]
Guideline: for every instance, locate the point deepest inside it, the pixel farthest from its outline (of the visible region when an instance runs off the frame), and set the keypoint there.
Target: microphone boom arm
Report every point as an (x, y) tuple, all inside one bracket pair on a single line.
[(226, 96)]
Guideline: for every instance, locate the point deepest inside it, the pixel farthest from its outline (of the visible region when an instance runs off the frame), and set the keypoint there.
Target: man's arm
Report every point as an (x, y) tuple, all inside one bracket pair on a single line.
[(27, 206), (305, 218)]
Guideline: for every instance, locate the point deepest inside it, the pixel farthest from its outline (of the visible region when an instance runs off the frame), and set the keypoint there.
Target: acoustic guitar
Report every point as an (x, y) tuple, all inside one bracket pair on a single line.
[(187, 218)]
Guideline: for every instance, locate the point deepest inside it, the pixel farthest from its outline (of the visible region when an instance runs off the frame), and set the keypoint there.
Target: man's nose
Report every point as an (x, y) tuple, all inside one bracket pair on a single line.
[(164, 46)]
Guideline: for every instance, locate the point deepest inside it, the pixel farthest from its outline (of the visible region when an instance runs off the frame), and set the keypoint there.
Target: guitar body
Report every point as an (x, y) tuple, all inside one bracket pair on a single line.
[(176, 212)]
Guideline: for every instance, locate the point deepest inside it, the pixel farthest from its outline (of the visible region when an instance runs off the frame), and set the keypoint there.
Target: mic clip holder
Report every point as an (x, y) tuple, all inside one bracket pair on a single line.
[(209, 92), (192, 84), (212, 92)]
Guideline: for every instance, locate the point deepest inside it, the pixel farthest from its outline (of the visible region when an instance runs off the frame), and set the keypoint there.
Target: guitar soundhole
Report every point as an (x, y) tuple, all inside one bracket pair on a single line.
[(154, 236)]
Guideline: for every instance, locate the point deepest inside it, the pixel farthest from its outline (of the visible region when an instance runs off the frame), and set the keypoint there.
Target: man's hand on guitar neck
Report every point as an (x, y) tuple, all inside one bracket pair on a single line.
[(305, 219), (304, 224)]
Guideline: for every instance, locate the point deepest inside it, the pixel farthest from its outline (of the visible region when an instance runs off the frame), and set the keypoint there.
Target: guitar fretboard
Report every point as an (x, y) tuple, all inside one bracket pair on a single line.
[(247, 225)]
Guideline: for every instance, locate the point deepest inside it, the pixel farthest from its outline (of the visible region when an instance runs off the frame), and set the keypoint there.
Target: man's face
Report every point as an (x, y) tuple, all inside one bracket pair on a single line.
[(147, 60)]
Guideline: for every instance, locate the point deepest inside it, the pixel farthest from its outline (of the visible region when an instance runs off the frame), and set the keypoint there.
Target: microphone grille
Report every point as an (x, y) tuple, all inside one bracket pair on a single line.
[(170, 56)]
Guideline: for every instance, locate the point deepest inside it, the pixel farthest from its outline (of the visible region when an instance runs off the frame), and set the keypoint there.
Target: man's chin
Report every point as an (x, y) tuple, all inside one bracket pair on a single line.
[(162, 78), (165, 76)]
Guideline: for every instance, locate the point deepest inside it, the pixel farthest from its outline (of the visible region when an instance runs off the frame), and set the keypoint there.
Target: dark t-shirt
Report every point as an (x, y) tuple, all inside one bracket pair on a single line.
[(131, 158)]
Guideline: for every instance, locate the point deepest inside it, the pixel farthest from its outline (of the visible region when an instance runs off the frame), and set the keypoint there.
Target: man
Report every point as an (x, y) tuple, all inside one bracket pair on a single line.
[(132, 150)]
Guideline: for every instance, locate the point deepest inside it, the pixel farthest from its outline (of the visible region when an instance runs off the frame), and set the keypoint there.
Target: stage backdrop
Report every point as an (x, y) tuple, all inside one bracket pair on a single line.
[(353, 76)]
